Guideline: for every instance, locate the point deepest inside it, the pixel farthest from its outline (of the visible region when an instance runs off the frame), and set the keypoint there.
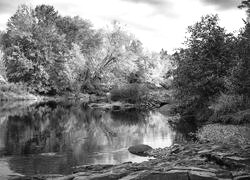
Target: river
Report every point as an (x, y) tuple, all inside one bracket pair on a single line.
[(53, 138)]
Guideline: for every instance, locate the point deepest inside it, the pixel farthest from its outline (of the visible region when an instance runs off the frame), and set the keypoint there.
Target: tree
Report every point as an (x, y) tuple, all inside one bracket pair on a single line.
[(34, 51), (80, 32), (241, 72), (245, 5), (202, 66), (114, 59)]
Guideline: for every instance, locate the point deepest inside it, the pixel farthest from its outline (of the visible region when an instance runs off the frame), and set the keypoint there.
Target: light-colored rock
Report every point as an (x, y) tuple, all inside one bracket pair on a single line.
[(245, 177), (198, 175)]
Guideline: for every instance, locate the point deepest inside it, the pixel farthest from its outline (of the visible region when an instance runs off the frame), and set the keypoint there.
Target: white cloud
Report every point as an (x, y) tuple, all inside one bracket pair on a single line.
[(158, 25)]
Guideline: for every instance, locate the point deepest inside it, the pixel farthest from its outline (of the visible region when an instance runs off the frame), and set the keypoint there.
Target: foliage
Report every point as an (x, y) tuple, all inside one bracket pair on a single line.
[(12, 91), (202, 66), (132, 93), (11, 87), (36, 48), (229, 103), (226, 134), (54, 54), (245, 4), (240, 77)]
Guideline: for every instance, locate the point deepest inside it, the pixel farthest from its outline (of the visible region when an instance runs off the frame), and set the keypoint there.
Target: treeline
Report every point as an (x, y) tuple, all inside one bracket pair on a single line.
[(52, 54), (212, 74)]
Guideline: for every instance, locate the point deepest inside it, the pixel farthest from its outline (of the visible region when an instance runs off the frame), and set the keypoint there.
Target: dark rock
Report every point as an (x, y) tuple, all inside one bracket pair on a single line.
[(140, 150)]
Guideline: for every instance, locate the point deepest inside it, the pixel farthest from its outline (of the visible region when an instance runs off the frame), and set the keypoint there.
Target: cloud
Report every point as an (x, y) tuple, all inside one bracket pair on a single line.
[(7, 6), (223, 4), (150, 2), (163, 7)]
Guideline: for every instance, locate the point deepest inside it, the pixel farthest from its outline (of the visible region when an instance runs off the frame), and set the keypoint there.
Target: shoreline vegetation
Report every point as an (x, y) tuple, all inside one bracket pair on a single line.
[(50, 57)]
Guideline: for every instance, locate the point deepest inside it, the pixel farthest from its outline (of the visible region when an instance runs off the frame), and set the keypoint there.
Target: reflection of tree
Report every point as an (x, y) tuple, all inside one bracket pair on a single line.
[(130, 117), (185, 129), (78, 133)]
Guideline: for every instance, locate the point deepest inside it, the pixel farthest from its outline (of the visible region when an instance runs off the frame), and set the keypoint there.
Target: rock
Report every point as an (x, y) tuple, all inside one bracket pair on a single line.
[(224, 174), (245, 177), (170, 175), (165, 110), (69, 177), (103, 176), (96, 167), (140, 150), (199, 175)]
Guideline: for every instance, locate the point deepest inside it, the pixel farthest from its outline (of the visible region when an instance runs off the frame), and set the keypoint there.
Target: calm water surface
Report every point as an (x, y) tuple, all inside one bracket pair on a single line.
[(53, 138)]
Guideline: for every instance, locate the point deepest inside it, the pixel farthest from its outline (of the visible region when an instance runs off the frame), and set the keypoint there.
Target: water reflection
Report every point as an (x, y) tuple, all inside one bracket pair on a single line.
[(53, 138)]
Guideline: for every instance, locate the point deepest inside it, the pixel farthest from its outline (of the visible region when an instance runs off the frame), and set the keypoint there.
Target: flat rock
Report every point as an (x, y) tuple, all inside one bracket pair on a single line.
[(170, 175), (246, 177), (197, 175)]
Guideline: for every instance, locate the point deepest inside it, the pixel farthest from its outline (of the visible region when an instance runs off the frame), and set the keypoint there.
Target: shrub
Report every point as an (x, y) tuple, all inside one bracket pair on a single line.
[(229, 103), (15, 88), (132, 93), (229, 108), (12, 91), (225, 134)]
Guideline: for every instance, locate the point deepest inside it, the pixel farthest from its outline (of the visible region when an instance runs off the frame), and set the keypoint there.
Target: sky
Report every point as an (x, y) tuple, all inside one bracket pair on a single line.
[(156, 23)]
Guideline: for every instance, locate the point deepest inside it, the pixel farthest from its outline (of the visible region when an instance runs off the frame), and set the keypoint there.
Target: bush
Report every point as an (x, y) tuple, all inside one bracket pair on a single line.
[(15, 88), (225, 134), (12, 91), (229, 109), (229, 103), (132, 93)]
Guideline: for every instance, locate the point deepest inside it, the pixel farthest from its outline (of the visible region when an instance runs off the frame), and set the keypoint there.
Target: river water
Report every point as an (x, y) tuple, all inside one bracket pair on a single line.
[(53, 138)]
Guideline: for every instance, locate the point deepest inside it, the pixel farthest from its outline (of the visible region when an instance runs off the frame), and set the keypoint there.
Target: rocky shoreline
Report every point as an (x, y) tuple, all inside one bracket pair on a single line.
[(190, 161)]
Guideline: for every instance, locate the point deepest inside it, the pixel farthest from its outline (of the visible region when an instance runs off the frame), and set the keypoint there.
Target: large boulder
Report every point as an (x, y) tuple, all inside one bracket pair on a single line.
[(140, 150)]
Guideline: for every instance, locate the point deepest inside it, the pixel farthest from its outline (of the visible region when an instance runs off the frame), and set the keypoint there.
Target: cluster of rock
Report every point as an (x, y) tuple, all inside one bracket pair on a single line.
[(180, 162)]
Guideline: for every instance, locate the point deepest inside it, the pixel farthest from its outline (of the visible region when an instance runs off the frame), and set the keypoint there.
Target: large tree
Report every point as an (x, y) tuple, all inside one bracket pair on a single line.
[(37, 47), (202, 66)]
